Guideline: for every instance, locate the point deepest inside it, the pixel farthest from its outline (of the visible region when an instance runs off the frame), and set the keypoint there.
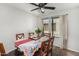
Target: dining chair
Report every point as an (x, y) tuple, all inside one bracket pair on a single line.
[(50, 46), (31, 35), (19, 36), (43, 49), (2, 49), (46, 48)]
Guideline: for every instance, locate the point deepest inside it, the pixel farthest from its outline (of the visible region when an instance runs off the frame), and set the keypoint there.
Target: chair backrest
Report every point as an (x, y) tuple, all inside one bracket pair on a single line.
[(43, 46), (19, 36), (31, 35), (50, 43), (2, 50), (47, 45), (43, 50)]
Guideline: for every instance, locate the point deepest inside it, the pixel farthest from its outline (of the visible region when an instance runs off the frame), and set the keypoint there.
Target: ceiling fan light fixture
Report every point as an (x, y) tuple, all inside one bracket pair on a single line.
[(42, 10)]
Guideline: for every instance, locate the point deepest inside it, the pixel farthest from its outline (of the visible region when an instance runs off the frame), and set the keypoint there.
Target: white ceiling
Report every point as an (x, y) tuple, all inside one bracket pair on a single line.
[(59, 6)]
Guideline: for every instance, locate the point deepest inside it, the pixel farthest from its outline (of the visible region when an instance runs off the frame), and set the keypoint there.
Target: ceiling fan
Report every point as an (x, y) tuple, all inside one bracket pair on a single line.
[(42, 6)]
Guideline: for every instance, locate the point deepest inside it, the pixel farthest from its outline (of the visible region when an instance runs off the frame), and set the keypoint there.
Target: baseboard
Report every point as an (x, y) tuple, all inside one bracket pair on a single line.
[(68, 49), (58, 47), (73, 50)]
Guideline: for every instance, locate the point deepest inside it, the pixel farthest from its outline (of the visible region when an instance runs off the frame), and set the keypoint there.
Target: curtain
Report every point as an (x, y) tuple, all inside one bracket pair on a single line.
[(65, 30)]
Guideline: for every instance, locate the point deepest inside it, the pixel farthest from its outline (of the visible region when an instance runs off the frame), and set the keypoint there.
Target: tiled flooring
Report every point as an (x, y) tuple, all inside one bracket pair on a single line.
[(56, 52)]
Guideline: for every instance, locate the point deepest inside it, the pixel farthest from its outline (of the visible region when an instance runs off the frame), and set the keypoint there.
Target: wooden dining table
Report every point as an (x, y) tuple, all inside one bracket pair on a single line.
[(30, 46)]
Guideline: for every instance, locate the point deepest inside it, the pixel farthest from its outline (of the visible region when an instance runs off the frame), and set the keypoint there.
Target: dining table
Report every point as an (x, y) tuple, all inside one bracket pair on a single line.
[(30, 46)]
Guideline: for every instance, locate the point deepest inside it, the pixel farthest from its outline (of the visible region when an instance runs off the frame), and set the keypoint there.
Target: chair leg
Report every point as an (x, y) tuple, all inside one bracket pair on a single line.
[(51, 52), (47, 53)]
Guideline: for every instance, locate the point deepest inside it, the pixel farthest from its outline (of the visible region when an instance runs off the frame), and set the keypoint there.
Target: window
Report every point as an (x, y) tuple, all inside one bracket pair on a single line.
[(46, 27), (54, 26)]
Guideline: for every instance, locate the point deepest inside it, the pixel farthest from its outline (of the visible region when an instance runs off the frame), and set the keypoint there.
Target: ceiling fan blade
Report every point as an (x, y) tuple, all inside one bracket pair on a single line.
[(46, 7), (34, 4), (44, 4), (35, 9)]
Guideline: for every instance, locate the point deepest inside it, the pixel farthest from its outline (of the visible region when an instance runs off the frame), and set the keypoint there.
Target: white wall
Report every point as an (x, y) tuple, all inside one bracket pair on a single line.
[(12, 21), (73, 27), (73, 42)]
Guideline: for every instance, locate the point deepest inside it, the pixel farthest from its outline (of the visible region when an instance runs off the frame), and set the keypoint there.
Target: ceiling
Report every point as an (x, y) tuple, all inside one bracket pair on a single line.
[(59, 7)]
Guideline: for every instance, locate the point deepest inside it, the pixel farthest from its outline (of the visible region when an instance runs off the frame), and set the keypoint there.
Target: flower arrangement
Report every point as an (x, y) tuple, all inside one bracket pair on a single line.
[(38, 31)]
